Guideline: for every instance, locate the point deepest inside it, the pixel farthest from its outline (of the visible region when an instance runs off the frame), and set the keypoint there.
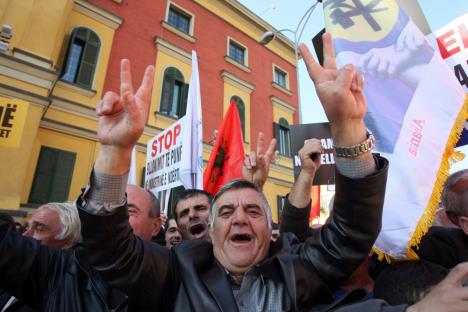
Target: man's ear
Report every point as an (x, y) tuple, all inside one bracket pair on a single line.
[(463, 222), (210, 230), (156, 226)]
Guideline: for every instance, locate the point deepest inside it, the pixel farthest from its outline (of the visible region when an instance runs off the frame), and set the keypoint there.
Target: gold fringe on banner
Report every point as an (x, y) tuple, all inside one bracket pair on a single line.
[(450, 156)]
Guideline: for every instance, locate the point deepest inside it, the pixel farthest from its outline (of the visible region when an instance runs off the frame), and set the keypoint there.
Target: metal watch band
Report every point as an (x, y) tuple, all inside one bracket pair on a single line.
[(356, 150)]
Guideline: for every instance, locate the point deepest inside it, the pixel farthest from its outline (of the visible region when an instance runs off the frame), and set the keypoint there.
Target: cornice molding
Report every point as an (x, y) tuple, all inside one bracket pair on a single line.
[(280, 104), (237, 82), (75, 88), (167, 47), (9, 91), (98, 14), (28, 72)]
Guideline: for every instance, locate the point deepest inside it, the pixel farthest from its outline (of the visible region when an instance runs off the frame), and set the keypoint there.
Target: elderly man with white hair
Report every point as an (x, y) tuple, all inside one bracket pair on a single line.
[(42, 269)]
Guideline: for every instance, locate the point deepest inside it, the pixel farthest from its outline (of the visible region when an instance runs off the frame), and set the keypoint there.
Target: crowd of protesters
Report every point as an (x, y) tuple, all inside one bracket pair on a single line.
[(113, 250)]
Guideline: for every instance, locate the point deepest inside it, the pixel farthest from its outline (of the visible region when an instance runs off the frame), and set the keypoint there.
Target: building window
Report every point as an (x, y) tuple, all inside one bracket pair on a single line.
[(179, 19), (282, 136), (280, 201), (174, 93), (81, 57), (53, 176), (241, 109), (237, 52), (281, 78)]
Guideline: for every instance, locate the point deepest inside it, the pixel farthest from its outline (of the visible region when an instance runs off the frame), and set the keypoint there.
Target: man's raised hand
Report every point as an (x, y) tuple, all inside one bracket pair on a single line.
[(341, 94), (257, 164), (122, 118)]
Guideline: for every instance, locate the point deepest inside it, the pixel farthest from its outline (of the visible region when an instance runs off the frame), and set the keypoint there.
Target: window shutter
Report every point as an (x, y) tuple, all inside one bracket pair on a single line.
[(43, 176), (62, 176), (84, 59), (166, 96), (53, 176), (88, 65), (183, 100), (276, 128)]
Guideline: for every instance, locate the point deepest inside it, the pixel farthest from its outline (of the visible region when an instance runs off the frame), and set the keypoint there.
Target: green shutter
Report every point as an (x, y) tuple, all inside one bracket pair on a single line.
[(43, 176), (166, 95), (63, 174), (88, 61), (53, 176), (182, 109), (276, 128)]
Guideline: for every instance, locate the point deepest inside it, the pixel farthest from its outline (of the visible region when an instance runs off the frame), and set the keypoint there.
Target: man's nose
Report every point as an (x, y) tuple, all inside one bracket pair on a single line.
[(240, 216), (193, 214)]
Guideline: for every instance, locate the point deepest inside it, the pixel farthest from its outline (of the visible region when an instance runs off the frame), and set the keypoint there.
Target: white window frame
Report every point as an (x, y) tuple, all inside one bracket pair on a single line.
[(179, 8)]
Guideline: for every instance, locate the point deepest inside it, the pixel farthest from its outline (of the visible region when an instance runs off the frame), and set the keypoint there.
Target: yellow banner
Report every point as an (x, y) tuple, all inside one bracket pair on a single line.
[(13, 114)]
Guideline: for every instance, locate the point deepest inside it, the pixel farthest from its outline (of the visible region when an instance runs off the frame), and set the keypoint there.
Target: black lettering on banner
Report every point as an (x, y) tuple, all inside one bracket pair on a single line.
[(6, 119), (461, 75)]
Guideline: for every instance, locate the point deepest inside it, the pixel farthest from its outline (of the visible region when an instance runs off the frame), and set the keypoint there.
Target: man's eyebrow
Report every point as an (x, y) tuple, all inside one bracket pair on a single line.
[(226, 206), (254, 206), (133, 206), (37, 223), (200, 206)]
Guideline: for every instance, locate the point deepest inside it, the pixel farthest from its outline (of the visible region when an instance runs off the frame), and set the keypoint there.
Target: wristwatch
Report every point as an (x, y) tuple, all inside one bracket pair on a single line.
[(356, 150)]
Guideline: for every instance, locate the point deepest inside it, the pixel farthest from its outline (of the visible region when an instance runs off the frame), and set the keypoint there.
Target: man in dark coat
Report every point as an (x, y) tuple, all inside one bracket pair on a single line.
[(57, 279), (448, 246)]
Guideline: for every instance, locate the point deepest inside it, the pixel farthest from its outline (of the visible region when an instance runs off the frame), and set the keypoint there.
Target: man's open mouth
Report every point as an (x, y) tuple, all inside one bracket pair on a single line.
[(174, 241), (241, 238), (197, 229)]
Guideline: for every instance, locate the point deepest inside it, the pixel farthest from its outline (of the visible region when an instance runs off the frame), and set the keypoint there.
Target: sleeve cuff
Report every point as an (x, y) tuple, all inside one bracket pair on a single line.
[(105, 193), (356, 167)]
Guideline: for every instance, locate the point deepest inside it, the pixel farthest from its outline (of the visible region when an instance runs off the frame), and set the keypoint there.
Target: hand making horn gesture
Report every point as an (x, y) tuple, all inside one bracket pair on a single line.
[(122, 118)]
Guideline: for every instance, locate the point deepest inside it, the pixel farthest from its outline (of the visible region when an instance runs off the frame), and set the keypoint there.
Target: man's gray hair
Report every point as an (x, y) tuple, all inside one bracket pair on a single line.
[(69, 220), (455, 193), (236, 185)]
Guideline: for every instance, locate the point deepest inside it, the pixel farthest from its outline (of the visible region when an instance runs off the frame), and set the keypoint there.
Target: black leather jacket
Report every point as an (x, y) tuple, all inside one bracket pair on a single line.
[(52, 280), (188, 278)]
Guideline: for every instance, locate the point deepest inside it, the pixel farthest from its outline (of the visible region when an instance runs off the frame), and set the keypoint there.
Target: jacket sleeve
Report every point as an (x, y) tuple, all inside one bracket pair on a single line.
[(296, 220), (141, 269), (343, 243), (26, 267)]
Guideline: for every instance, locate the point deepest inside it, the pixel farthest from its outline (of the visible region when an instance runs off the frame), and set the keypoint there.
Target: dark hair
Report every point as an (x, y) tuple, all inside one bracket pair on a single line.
[(408, 282), (454, 192), (189, 193)]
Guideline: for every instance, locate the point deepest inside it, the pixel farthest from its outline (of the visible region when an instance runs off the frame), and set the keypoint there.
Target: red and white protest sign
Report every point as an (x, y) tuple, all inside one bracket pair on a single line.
[(163, 158), (452, 41)]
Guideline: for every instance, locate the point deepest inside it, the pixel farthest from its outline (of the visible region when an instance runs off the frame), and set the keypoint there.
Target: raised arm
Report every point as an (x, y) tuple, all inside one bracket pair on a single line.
[(341, 245), (296, 211), (122, 259)]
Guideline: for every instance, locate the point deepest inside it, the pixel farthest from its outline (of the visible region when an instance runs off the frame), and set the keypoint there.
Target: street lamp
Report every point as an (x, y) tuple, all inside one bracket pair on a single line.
[(270, 35)]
